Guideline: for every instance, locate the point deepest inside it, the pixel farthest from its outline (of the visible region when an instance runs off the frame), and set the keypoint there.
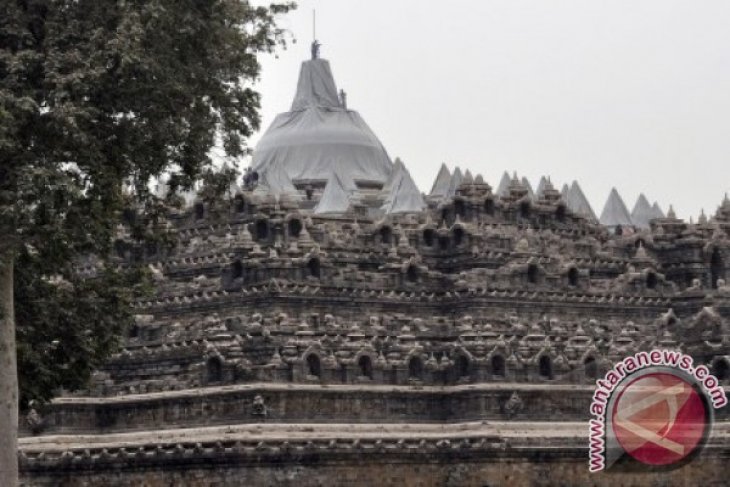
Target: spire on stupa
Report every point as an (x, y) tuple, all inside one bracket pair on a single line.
[(317, 137)]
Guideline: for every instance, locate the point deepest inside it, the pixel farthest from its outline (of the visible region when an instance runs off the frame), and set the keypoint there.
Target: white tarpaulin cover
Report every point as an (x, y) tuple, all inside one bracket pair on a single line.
[(564, 192), (318, 137), (528, 187), (335, 198), (277, 181), (578, 202), (541, 187), (503, 188), (398, 167), (642, 212), (441, 185), (456, 178), (658, 213), (615, 212), (403, 196)]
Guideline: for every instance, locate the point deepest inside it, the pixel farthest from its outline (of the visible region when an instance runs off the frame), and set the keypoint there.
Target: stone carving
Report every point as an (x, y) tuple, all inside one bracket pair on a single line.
[(342, 316), (513, 405), (36, 423), (258, 408), (315, 49)]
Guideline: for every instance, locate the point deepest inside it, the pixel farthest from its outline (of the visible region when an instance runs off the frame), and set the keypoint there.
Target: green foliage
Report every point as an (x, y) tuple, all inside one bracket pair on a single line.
[(217, 183), (125, 91), (98, 98), (68, 325)]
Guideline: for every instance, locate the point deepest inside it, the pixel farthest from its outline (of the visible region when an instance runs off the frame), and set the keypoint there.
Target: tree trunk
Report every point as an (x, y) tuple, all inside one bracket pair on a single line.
[(8, 377)]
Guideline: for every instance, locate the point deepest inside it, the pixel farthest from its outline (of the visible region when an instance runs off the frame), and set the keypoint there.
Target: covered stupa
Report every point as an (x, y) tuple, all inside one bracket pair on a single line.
[(320, 137), (401, 193), (643, 212), (615, 214), (578, 202)]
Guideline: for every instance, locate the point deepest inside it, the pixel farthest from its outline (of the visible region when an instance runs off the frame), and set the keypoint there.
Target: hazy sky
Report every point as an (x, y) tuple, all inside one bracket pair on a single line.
[(632, 94)]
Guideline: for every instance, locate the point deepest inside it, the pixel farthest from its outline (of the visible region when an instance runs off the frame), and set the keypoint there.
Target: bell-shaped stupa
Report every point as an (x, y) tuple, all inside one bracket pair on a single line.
[(318, 138)]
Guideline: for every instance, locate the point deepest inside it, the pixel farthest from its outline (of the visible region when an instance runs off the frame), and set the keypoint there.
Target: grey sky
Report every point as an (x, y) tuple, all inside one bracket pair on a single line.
[(632, 94)]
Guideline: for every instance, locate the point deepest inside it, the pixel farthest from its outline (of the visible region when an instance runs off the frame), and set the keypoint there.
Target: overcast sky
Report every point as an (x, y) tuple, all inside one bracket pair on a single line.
[(626, 93)]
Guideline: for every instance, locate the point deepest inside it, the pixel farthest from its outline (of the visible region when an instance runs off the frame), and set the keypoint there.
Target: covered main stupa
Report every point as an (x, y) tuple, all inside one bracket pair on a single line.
[(319, 140)]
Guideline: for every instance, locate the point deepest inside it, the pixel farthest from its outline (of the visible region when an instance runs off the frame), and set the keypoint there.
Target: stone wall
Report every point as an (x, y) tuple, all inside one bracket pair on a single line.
[(318, 404), (557, 466), (456, 346)]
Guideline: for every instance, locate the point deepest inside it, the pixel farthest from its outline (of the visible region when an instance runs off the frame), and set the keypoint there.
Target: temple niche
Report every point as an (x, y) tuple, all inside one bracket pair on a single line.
[(330, 292)]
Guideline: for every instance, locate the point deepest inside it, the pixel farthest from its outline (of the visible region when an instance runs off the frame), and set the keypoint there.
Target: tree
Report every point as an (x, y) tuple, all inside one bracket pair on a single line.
[(97, 98), (66, 329)]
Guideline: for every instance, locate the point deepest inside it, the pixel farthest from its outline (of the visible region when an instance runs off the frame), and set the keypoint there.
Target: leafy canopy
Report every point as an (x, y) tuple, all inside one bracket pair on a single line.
[(97, 98)]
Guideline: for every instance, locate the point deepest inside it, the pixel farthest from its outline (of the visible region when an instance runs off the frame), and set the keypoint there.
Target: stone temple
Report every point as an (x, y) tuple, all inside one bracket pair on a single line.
[(329, 324)]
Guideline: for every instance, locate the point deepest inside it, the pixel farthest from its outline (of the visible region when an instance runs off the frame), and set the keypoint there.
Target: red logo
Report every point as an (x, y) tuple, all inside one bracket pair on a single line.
[(659, 418)]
